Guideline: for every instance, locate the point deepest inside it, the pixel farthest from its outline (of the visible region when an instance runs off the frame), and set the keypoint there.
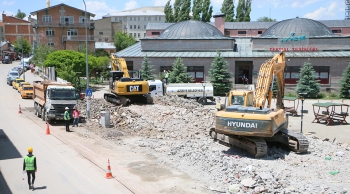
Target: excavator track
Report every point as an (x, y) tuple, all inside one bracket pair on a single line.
[(297, 142), (255, 146)]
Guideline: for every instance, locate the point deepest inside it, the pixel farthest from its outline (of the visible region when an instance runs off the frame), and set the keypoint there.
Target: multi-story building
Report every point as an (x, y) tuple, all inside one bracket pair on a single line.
[(63, 27), (134, 22)]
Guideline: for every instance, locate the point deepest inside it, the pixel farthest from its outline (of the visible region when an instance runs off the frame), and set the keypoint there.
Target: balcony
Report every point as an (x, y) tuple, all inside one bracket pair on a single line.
[(91, 25), (77, 38)]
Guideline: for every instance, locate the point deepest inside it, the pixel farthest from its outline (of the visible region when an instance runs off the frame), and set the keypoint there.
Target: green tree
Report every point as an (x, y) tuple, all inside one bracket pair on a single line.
[(40, 54), (219, 75), (248, 9), (146, 70), (345, 83), (20, 14), (266, 19), (307, 82), (22, 43), (82, 49), (184, 11), (168, 11), (177, 9), (207, 11), (101, 53), (197, 9), (228, 8), (179, 73), (123, 40), (240, 11)]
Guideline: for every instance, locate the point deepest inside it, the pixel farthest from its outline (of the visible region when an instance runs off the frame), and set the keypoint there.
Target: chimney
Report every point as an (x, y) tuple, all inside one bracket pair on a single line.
[(47, 3), (220, 22)]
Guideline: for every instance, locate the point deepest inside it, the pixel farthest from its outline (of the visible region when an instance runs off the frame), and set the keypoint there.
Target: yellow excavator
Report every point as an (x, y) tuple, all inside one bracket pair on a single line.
[(244, 121), (126, 86)]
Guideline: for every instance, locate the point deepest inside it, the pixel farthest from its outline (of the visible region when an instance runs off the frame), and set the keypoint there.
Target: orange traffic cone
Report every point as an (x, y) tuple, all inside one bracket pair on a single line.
[(47, 128), (19, 109), (109, 173)]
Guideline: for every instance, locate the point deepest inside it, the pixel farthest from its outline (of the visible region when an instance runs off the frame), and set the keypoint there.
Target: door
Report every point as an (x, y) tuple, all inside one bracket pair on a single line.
[(69, 34), (243, 68)]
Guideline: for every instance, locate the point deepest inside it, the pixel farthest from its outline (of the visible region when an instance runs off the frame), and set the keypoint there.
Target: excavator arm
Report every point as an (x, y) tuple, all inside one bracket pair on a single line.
[(270, 70), (119, 64)]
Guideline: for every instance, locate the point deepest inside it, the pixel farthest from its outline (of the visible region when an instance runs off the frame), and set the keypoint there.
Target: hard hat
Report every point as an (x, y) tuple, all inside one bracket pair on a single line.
[(67, 108), (30, 150)]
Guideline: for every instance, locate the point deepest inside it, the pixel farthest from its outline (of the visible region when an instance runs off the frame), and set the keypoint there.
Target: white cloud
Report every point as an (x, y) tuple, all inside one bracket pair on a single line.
[(324, 12), (8, 2), (99, 8), (132, 4)]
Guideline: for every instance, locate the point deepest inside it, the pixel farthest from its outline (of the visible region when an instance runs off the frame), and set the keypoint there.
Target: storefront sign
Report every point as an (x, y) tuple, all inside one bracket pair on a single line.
[(296, 49)]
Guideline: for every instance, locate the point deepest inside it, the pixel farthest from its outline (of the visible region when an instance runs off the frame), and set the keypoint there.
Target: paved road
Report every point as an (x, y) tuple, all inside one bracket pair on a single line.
[(60, 168)]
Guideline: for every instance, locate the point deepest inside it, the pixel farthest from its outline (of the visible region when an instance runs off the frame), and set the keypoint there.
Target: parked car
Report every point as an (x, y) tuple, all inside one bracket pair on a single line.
[(21, 85), (27, 91), (26, 62), (6, 60), (16, 82), (12, 75)]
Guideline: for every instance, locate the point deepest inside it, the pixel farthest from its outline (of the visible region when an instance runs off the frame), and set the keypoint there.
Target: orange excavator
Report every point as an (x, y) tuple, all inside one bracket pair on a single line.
[(244, 121)]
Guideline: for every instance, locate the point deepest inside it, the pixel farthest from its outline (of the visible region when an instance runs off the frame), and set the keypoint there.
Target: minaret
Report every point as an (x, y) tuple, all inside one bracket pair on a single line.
[(47, 3)]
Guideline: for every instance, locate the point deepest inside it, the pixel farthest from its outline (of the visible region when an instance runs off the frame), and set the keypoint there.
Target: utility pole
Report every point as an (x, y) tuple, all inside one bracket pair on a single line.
[(87, 66), (22, 59)]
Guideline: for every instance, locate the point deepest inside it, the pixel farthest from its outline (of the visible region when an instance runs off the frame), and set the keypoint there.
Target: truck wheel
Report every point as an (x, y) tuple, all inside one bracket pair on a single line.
[(43, 114), (202, 101), (35, 109)]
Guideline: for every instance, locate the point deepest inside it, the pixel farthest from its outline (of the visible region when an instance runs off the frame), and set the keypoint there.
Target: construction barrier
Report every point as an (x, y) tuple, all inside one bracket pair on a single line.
[(19, 109), (47, 129), (109, 173)]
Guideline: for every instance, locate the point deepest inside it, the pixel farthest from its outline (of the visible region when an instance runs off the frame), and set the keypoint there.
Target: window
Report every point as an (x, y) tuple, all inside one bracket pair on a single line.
[(144, 34), (242, 32), (138, 35), (134, 34), (130, 26), (130, 34), (138, 19), (149, 18), (130, 18), (116, 19), (138, 26), (100, 33), (155, 33), (336, 31), (134, 18), (50, 32), (51, 44), (106, 39), (144, 26), (259, 32), (291, 74), (124, 26), (100, 39), (73, 32), (155, 18), (227, 32), (144, 19), (120, 19), (134, 26), (160, 18), (124, 19), (81, 19), (67, 19), (46, 18), (322, 74)]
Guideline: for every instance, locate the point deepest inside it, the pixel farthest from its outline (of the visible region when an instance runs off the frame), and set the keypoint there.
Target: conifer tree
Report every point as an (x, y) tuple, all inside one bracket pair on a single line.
[(207, 11), (179, 73), (185, 11), (240, 11), (228, 8), (307, 82), (146, 70), (197, 9), (168, 11), (177, 9), (219, 75), (345, 83), (248, 9)]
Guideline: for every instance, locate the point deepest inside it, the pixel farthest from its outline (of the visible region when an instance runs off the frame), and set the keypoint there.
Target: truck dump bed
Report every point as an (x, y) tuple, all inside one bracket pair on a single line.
[(39, 88)]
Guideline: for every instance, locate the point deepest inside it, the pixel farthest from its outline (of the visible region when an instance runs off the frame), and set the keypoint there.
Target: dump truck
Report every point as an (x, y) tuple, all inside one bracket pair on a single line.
[(201, 92), (51, 98)]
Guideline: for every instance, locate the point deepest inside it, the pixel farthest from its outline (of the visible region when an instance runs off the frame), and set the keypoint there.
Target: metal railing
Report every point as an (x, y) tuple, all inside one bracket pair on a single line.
[(78, 38), (59, 24)]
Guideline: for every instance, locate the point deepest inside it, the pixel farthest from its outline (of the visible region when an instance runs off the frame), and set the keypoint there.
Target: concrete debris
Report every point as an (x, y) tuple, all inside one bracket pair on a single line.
[(175, 130)]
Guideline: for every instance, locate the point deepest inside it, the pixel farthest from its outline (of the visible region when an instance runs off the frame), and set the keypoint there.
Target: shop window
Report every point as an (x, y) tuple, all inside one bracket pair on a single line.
[(291, 74), (322, 74)]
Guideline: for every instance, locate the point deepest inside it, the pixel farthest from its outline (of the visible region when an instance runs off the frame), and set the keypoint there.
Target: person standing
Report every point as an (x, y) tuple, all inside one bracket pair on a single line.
[(66, 118), (244, 79), (76, 115), (166, 77), (29, 165)]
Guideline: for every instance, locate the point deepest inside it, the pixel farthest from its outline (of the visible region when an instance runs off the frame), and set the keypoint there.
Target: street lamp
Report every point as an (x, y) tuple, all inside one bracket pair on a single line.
[(87, 67), (302, 97)]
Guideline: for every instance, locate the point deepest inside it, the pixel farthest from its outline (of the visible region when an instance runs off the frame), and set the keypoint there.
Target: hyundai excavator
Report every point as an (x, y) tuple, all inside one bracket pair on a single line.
[(244, 121), (126, 86)]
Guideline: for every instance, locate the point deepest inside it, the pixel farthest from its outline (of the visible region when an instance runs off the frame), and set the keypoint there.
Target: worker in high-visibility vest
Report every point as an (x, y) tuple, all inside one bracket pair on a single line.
[(66, 118), (29, 165)]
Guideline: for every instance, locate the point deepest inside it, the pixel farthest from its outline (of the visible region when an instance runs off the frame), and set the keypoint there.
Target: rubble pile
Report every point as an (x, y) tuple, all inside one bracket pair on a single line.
[(175, 130)]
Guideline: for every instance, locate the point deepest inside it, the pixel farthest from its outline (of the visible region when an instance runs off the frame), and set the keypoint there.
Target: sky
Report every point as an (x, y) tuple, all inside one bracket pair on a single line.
[(275, 9)]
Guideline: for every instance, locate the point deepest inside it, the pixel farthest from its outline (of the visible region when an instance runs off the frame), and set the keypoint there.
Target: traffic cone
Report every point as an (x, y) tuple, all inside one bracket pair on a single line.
[(19, 109), (109, 173), (47, 128)]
